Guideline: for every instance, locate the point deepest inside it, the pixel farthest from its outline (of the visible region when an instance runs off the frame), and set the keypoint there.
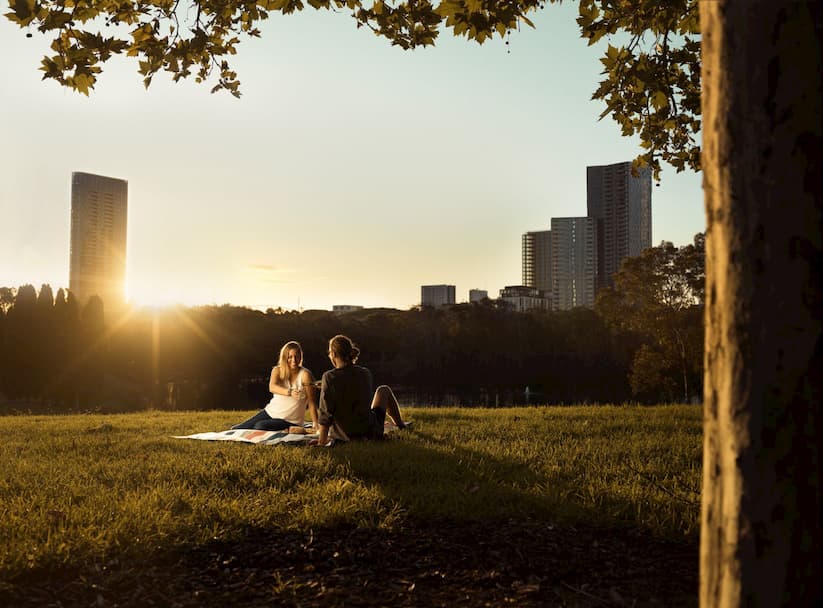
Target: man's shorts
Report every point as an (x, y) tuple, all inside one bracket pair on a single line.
[(377, 417)]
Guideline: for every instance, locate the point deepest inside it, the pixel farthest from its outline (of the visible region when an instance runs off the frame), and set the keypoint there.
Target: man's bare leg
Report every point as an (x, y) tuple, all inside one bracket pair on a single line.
[(384, 399)]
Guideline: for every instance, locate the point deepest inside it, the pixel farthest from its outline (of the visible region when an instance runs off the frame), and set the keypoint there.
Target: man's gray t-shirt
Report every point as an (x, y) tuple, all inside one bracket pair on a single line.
[(345, 398)]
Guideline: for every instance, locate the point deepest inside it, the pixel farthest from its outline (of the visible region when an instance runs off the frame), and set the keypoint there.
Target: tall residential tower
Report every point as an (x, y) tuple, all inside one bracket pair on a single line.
[(574, 260), (621, 205), (98, 239), (537, 266)]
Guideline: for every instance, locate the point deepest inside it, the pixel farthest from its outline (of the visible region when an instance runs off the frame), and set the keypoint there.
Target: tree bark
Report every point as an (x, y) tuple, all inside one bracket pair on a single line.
[(761, 537)]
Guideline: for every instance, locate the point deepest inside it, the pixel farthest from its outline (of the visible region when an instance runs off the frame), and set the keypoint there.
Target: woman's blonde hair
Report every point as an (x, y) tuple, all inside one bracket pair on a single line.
[(342, 347), (283, 364)]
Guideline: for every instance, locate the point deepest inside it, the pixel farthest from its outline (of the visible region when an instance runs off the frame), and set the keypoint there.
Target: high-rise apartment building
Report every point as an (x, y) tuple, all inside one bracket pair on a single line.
[(621, 205), (437, 295), (97, 261), (537, 267), (574, 262)]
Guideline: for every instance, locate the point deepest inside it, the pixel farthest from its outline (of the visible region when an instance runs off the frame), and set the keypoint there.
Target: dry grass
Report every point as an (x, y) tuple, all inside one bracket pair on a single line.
[(76, 490)]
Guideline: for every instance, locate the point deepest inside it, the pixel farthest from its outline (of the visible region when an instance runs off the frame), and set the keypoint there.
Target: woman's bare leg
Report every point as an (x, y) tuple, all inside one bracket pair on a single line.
[(384, 399)]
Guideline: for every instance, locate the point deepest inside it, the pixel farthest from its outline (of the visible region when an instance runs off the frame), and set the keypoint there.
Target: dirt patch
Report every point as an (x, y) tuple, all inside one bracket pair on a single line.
[(517, 563)]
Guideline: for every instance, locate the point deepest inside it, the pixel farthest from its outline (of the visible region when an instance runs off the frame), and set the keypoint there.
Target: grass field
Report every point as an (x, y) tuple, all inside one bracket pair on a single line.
[(80, 491)]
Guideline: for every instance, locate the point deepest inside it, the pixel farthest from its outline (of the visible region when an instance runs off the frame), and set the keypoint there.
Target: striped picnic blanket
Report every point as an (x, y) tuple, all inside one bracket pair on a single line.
[(266, 437), (252, 436)]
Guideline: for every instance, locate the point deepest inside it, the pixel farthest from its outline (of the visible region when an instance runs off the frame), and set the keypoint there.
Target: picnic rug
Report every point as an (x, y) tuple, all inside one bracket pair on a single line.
[(251, 436), (268, 437)]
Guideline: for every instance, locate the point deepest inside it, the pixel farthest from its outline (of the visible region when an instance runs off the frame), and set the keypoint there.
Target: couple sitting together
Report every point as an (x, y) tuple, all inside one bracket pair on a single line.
[(348, 408)]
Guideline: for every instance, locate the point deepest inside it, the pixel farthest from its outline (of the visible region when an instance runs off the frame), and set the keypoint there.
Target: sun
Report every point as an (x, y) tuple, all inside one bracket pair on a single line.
[(156, 297)]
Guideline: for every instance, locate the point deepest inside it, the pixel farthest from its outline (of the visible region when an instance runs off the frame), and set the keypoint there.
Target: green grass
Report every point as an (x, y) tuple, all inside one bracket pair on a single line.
[(76, 490)]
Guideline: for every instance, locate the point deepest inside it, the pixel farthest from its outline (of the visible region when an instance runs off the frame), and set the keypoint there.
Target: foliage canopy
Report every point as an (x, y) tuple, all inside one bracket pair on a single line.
[(659, 295), (651, 84)]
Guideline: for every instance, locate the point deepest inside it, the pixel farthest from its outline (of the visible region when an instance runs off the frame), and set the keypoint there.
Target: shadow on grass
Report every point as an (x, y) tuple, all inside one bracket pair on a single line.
[(427, 477), (499, 544), (419, 563)]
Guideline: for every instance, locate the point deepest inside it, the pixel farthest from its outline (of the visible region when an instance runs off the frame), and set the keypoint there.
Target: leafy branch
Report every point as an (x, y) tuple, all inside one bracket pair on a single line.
[(651, 84)]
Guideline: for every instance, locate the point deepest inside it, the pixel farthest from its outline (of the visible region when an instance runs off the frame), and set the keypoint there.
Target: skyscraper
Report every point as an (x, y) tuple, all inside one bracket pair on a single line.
[(436, 295), (97, 263), (621, 206), (537, 267), (574, 261)]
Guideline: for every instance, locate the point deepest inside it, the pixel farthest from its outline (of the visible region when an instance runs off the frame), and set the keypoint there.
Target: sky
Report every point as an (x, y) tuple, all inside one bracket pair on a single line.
[(350, 171)]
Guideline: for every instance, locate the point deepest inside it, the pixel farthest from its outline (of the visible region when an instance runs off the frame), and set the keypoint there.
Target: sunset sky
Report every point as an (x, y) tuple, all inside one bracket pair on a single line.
[(350, 172)]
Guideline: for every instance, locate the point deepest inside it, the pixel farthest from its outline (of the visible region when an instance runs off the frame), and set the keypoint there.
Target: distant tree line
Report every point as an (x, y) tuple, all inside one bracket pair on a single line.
[(643, 341)]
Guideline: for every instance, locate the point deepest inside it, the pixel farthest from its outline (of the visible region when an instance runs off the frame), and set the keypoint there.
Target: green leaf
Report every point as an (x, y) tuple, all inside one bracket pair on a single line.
[(22, 8), (82, 82), (15, 19), (660, 100), (142, 33)]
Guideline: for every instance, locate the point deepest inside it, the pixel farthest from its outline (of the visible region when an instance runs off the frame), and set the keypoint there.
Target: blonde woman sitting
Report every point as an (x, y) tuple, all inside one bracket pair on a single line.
[(292, 388)]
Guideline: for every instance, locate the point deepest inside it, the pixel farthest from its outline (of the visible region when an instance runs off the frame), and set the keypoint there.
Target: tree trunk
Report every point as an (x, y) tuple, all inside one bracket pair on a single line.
[(761, 538)]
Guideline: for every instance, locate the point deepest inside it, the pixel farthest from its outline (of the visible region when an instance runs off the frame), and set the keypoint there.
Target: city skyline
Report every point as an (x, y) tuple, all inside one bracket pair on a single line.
[(426, 168), (579, 255)]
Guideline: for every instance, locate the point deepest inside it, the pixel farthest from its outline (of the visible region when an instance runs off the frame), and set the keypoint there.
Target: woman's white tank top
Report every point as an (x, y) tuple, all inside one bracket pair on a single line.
[(289, 408)]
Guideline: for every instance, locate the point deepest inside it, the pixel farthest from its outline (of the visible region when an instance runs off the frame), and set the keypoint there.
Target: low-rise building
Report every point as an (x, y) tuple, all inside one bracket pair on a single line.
[(478, 295), (437, 295), (522, 298), (342, 308)]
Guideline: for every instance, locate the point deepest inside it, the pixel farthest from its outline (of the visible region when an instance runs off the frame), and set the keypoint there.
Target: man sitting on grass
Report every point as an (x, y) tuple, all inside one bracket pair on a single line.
[(347, 404)]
